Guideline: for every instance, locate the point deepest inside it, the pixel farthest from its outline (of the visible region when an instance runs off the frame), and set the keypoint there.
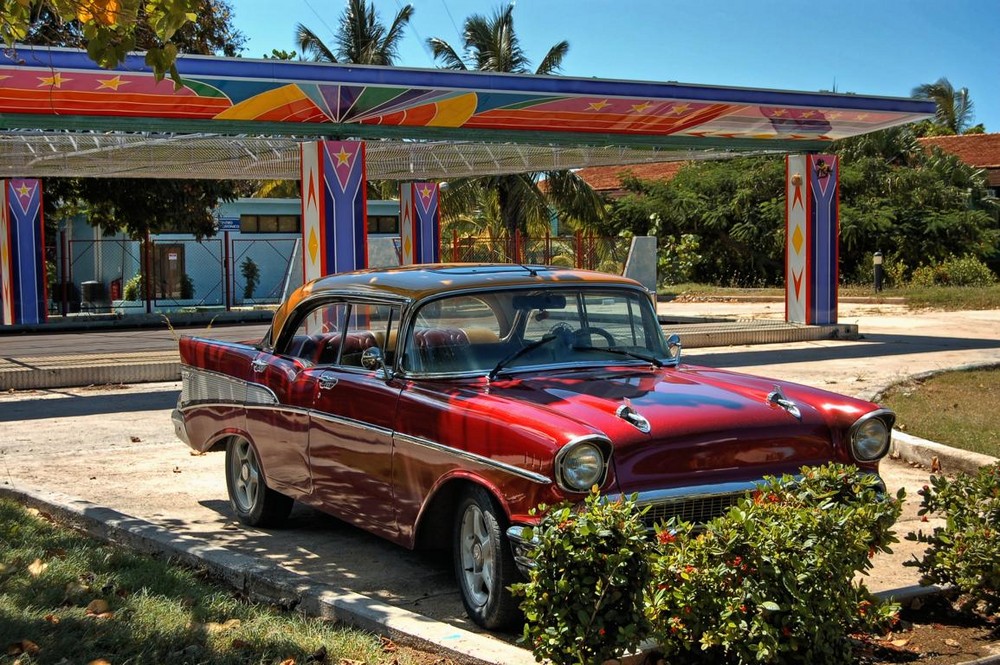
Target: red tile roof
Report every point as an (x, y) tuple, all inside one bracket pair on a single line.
[(980, 150), (607, 179)]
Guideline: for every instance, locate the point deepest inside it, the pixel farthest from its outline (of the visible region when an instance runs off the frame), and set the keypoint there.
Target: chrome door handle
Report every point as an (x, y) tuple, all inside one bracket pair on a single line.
[(327, 380), (258, 365)]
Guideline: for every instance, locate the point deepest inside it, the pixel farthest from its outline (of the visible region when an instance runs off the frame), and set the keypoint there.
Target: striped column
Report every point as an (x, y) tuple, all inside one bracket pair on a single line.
[(812, 225), (419, 222), (334, 208), (22, 253)]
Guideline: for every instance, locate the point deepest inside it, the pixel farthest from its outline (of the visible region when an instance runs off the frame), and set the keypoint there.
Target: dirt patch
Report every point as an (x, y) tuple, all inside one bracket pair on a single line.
[(933, 633)]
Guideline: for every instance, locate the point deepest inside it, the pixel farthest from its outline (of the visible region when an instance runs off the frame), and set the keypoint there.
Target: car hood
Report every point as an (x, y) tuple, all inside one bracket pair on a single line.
[(704, 426)]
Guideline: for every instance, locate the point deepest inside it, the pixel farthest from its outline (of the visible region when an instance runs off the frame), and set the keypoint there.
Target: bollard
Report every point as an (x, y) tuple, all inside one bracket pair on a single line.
[(878, 271)]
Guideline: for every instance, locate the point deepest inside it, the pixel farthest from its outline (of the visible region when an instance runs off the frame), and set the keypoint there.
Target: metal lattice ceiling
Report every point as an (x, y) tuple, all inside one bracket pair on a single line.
[(212, 156)]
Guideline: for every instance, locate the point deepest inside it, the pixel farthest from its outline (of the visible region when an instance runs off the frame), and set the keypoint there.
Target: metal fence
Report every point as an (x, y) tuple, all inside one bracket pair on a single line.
[(263, 270)]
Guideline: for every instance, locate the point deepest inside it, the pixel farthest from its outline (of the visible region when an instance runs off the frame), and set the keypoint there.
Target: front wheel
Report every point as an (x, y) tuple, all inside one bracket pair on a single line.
[(484, 564), (254, 503)]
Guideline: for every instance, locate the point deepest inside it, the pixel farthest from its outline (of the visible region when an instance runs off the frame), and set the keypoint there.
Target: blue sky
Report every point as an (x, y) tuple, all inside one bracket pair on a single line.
[(873, 47)]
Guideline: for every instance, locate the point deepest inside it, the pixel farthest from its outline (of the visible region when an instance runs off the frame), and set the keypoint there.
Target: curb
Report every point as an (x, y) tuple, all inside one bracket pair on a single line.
[(935, 455), (915, 450), (263, 581)]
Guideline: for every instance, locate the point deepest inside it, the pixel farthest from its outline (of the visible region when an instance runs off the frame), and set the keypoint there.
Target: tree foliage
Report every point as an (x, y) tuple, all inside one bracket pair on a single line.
[(109, 29), (916, 206), (954, 109), (138, 206), (361, 37), (491, 44)]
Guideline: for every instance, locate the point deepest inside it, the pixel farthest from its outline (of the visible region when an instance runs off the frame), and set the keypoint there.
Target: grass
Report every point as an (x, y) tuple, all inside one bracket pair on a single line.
[(958, 409), (66, 598), (950, 298)]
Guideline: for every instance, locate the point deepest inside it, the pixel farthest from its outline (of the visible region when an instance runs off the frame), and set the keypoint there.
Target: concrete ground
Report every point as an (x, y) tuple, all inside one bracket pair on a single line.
[(114, 447)]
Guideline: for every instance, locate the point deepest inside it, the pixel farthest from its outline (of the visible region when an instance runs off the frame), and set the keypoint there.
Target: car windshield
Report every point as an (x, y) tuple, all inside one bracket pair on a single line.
[(512, 330)]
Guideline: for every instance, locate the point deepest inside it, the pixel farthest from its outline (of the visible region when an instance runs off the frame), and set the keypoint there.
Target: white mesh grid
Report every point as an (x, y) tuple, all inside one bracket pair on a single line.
[(40, 154)]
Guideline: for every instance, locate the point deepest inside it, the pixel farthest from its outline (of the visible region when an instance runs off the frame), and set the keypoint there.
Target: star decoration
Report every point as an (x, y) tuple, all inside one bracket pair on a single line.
[(55, 81), (343, 158), (112, 83), (808, 114), (23, 190), (679, 108), (641, 108), (777, 113), (425, 193), (862, 116), (834, 115), (598, 106)]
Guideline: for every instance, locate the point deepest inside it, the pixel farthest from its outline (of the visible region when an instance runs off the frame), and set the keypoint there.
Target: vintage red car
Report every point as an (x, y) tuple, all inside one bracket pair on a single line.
[(444, 402)]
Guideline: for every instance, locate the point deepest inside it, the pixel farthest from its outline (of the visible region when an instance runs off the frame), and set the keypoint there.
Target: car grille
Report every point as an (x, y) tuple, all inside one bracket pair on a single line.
[(696, 509)]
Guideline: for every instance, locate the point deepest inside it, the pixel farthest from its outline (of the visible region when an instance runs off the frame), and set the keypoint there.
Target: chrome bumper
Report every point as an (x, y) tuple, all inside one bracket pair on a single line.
[(180, 431), (522, 547)]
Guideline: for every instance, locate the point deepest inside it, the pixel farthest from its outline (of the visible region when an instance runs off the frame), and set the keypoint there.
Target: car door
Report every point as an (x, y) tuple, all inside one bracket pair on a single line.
[(278, 421), (352, 415)]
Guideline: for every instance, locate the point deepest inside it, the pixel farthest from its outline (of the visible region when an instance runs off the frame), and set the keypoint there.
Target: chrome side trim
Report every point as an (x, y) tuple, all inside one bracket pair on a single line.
[(473, 457), (350, 422)]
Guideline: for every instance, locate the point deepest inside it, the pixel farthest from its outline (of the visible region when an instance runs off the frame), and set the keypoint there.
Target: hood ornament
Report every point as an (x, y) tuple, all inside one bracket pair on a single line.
[(776, 396), (628, 413)]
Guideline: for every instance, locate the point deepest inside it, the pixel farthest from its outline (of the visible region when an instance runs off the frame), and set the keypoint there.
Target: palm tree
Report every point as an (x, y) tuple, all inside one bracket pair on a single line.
[(490, 44), (954, 107), (361, 37)]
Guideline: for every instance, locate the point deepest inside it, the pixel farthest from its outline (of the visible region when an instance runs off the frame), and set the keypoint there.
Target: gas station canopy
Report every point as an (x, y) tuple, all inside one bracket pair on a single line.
[(234, 118)]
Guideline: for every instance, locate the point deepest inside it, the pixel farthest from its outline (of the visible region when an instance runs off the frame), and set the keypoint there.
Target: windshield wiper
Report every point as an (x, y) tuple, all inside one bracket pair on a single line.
[(621, 352), (517, 354)]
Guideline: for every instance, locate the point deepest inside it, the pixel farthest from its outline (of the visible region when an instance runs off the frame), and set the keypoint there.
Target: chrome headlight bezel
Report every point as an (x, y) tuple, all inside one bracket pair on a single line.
[(597, 448), (870, 435)]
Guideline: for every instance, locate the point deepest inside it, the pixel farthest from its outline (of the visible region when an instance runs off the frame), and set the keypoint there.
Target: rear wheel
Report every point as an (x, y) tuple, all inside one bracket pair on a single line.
[(484, 564), (254, 503)]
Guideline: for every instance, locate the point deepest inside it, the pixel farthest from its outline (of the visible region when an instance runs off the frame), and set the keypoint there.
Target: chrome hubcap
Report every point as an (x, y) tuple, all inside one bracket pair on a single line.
[(246, 474), (477, 548)]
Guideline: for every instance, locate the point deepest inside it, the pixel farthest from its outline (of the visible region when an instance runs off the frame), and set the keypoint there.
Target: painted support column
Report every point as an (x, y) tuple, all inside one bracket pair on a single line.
[(334, 208), (23, 296), (419, 222), (812, 225)]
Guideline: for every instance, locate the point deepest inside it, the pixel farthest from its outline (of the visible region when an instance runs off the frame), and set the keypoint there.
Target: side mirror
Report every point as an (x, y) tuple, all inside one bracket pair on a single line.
[(372, 358), (674, 347)]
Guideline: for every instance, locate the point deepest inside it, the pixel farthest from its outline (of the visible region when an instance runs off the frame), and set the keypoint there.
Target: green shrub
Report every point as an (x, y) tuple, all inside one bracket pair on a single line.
[(583, 602), (562, 261), (678, 258), (134, 289), (964, 552), (187, 287), (964, 271), (251, 277), (772, 581)]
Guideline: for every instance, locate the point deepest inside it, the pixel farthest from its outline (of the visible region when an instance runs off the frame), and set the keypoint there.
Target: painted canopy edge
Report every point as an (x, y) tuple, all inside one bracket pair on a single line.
[(234, 95)]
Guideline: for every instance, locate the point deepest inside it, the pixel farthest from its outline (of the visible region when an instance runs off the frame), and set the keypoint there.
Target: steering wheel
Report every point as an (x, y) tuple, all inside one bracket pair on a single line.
[(564, 331), (601, 332)]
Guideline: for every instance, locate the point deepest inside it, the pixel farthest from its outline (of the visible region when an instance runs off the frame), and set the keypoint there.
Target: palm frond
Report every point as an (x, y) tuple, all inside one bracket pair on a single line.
[(552, 62), (312, 46), (443, 51)]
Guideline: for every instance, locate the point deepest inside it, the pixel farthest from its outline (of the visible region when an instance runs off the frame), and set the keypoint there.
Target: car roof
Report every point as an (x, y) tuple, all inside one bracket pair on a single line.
[(420, 281)]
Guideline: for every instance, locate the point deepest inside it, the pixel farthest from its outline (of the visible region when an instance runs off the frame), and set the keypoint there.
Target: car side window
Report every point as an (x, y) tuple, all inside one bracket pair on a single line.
[(369, 325), (317, 337)]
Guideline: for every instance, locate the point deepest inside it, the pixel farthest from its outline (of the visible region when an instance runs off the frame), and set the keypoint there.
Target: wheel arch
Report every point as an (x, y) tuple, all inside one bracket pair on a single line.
[(437, 516)]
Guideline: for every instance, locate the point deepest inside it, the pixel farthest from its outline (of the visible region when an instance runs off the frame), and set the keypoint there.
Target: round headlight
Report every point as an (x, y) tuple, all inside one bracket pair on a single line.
[(870, 440), (581, 467)]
